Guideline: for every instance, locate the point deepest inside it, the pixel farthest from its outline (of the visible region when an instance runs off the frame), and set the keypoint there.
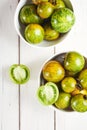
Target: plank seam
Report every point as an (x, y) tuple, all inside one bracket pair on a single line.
[(19, 103)]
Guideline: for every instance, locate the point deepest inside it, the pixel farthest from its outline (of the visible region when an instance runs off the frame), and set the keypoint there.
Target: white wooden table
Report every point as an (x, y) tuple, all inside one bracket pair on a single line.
[(19, 108)]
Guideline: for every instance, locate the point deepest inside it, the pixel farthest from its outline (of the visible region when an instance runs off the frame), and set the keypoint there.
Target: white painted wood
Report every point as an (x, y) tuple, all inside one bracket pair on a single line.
[(8, 56), (75, 41), (0, 97), (76, 121), (33, 114)]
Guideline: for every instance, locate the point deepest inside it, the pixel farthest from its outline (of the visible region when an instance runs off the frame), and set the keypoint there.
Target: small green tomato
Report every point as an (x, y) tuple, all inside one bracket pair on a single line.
[(74, 62), (68, 84), (83, 78), (50, 33), (53, 71), (59, 4), (48, 93), (45, 9), (28, 14), (79, 103), (63, 100), (19, 74), (34, 33)]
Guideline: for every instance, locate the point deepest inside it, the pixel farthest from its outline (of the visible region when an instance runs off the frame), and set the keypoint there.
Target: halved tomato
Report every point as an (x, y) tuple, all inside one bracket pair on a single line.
[(19, 74), (48, 93)]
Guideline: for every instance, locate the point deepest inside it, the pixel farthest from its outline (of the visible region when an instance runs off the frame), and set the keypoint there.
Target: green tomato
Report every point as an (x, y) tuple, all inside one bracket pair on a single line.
[(50, 33), (28, 14), (48, 93), (83, 78), (62, 20), (63, 101), (19, 74), (79, 103), (38, 1), (59, 4), (45, 9), (34, 33), (68, 84), (53, 71), (74, 62)]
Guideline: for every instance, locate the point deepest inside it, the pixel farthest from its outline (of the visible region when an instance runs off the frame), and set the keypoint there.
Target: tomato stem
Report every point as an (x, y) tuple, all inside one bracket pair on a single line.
[(85, 97)]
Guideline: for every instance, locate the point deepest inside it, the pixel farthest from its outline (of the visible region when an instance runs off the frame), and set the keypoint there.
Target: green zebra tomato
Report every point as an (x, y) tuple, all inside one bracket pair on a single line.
[(45, 9), (19, 74), (38, 1), (74, 62), (83, 78), (63, 100), (53, 71), (28, 14), (50, 33), (59, 4), (48, 93), (79, 103), (68, 84), (62, 20), (34, 33)]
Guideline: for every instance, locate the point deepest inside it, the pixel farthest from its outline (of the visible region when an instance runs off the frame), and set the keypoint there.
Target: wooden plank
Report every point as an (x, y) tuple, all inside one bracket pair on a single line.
[(33, 114), (8, 56), (1, 97), (75, 41), (76, 121)]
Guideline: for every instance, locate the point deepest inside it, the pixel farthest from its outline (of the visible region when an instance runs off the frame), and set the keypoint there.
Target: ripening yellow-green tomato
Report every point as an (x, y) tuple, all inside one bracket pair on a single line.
[(53, 71)]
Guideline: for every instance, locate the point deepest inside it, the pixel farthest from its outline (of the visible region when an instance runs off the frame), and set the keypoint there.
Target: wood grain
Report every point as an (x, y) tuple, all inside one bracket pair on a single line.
[(8, 56), (19, 107)]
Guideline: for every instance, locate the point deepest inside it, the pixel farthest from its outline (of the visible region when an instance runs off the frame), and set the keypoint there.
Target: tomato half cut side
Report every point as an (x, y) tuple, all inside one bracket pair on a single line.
[(19, 74), (48, 93)]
